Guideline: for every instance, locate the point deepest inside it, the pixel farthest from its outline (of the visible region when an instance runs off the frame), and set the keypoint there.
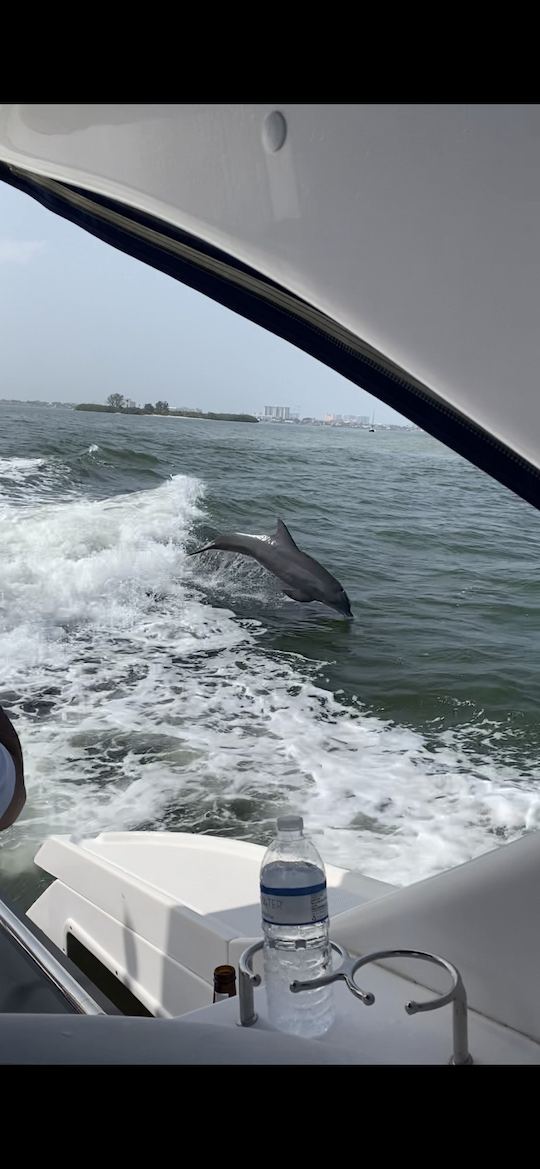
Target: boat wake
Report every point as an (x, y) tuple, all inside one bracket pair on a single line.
[(141, 703)]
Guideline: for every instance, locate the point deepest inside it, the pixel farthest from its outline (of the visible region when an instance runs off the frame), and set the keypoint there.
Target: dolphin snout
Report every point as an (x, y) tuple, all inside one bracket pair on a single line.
[(343, 606)]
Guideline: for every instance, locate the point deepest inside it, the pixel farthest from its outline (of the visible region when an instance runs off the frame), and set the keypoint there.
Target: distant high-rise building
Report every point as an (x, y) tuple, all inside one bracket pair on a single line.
[(282, 412)]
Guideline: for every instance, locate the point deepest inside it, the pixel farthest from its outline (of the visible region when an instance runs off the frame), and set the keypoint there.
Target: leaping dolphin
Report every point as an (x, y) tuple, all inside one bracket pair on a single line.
[(304, 578)]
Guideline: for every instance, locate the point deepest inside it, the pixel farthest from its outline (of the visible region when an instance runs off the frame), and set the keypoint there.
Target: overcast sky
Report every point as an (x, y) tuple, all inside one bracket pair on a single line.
[(79, 320)]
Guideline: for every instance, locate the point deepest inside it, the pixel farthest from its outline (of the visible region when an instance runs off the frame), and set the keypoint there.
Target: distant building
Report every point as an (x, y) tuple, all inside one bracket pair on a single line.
[(283, 413), (346, 420)]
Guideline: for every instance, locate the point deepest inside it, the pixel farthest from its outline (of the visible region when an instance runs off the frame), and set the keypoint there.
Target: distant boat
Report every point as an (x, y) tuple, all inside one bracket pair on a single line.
[(372, 428)]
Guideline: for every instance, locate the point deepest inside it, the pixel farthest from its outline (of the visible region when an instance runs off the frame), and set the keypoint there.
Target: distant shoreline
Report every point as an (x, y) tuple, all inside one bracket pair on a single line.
[(210, 416)]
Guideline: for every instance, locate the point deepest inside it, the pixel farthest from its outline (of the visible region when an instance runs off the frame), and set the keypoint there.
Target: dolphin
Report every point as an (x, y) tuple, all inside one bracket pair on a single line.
[(304, 578)]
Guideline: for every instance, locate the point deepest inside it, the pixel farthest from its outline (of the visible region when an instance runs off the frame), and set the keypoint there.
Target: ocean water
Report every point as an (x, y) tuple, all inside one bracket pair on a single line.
[(151, 690)]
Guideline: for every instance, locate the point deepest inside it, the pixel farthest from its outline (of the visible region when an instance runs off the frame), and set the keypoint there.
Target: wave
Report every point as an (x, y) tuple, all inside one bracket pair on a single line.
[(33, 480), (139, 703), (17, 470)]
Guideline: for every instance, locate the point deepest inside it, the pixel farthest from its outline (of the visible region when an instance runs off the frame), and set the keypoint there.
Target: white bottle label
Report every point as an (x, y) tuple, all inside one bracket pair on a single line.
[(294, 906)]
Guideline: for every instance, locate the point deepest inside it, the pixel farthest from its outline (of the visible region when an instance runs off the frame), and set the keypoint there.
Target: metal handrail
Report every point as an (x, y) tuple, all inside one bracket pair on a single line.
[(83, 1003)]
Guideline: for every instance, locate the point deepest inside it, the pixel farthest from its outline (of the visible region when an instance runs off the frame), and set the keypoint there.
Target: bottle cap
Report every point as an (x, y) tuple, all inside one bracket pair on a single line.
[(290, 823)]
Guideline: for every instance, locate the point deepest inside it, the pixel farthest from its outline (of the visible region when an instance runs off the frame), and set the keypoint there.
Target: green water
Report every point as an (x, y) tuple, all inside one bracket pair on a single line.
[(152, 690)]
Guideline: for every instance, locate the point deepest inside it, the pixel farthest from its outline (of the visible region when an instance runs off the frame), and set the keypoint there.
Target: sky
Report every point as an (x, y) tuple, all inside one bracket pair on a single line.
[(80, 320)]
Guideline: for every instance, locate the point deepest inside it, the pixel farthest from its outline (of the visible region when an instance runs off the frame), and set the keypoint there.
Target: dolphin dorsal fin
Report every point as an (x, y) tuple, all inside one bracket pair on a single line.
[(283, 535)]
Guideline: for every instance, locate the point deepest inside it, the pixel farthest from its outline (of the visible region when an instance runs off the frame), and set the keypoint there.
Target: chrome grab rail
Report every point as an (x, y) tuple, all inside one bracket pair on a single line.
[(49, 965), (248, 980)]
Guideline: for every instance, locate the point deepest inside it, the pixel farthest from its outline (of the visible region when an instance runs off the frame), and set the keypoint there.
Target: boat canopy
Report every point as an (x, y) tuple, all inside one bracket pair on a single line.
[(398, 244)]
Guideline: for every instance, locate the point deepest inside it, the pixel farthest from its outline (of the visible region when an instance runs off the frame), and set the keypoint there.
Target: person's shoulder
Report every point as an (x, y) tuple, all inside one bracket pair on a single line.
[(8, 775), (12, 789), (7, 761)]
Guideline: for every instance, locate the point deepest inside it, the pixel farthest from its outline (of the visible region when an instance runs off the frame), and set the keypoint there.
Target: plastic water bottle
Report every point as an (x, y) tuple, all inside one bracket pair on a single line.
[(295, 924)]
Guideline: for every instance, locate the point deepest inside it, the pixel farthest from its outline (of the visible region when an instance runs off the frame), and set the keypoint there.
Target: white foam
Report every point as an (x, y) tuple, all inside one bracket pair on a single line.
[(17, 470), (32, 481), (127, 718)]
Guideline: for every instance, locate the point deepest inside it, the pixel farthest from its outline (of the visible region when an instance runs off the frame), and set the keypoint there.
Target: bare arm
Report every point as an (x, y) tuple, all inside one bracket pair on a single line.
[(10, 740)]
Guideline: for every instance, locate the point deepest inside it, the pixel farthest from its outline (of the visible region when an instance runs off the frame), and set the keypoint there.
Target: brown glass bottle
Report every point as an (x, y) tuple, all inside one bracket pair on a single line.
[(224, 983)]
